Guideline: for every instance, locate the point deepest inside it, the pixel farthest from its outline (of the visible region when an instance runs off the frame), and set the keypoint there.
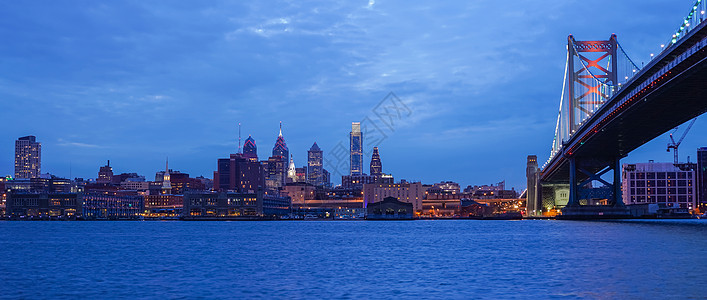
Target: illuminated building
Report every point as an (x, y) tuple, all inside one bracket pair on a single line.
[(299, 192), (111, 206), (250, 150), (403, 191), (315, 158), (356, 149), (357, 181), (702, 178), (166, 182), (43, 205), (280, 148), (225, 206), (274, 169), (105, 174), (28, 157), (376, 165), (445, 187), (291, 171), (178, 181), (301, 174), (646, 183)]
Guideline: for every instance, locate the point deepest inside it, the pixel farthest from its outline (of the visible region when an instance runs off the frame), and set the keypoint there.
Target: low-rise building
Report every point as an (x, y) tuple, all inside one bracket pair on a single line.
[(645, 183), (403, 191), (227, 205), (389, 208), (43, 205)]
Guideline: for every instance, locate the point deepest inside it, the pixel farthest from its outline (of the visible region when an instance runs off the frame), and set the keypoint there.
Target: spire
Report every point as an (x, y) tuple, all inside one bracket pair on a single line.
[(166, 169), (280, 128), (239, 138)]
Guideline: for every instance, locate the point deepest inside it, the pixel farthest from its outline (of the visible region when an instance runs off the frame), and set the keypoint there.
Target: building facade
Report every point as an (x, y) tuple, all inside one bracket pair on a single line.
[(225, 205), (647, 183), (250, 150), (28, 157), (356, 149)]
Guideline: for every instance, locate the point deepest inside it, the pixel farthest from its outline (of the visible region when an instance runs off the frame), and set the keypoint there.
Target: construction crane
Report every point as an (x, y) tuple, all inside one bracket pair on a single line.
[(674, 145)]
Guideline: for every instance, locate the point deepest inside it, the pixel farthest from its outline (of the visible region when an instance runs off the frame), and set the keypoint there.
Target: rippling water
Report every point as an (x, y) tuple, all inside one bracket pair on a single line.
[(413, 259)]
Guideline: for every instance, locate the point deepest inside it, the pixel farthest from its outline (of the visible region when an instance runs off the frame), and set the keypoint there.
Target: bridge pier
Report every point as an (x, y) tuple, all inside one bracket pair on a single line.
[(588, 202)]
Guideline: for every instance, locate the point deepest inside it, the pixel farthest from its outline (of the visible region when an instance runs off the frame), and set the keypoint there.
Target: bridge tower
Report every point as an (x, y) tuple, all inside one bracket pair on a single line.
[(591, 78)]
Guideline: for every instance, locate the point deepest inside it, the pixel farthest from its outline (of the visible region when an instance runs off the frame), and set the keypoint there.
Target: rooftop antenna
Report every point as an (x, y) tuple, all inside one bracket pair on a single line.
[(239, 138)]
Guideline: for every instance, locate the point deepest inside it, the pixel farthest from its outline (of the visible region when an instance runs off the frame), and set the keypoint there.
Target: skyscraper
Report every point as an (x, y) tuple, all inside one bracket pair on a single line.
[(28, 157), (280, 148), (250, 150), (356, 148), (376, 165), (315, 157)]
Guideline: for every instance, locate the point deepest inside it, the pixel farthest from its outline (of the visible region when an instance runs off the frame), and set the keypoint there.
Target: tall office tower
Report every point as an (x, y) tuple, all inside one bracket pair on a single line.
[(28, 157), (702, 177), (356, 147), (250, 150), (376, 166), (315, 158), (531, 170), (105, 174)]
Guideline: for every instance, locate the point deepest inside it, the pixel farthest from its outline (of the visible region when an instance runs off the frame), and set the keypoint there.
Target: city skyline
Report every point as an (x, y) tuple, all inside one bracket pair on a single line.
[(143, 120)]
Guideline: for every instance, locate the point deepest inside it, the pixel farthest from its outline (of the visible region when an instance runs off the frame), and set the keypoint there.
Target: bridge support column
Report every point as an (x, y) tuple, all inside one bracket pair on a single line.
[(618, 199), (573, 201)]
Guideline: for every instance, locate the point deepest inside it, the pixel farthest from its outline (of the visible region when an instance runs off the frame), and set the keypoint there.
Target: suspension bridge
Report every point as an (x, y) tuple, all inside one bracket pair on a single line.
[(611, 106)]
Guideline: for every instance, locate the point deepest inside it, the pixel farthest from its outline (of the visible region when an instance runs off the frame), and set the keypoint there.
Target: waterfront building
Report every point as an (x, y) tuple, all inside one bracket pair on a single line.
[(226, 205), (250, 150), (702, 178), (403, 191), (390, 208), (161, 205), (315, 173), (42, 205), (376, 167), (356, 149), (44, 184), (28, 157), (531, 173), (646, 183), (105, 174), (111, 206)]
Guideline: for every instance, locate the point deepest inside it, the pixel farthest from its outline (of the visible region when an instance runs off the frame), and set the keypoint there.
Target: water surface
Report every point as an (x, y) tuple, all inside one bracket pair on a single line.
[(357, 259)]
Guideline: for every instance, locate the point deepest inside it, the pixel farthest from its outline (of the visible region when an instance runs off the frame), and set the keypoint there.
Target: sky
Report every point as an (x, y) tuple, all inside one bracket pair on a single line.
[(476, 83)]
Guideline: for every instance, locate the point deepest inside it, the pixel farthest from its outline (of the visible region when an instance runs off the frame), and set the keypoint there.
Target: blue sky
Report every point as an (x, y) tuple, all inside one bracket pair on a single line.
[(137, 81)]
